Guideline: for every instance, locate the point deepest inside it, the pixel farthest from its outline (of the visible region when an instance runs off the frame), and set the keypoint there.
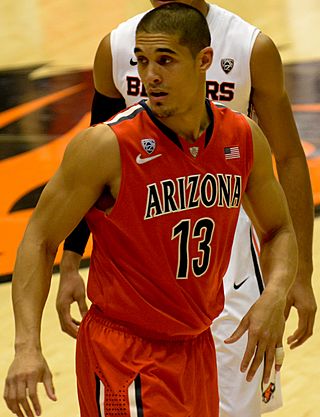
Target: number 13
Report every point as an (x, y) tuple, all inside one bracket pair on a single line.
[(203, 230)]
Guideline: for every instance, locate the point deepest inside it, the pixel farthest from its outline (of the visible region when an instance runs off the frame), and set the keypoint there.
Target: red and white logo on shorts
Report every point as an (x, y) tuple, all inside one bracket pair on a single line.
[(268, 392)]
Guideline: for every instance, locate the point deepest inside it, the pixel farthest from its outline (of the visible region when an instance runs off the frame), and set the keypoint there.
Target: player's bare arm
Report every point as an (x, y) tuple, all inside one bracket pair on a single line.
[(91, 161), (102, 70), (276, 120), (107, 101), (265, 202)]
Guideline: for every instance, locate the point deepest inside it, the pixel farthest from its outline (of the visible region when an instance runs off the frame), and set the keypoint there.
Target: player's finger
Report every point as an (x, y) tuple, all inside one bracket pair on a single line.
[(240, 330), (279, 357), (270, 358), (33, 395), (302, 333), (297, 335), (24, 403), (248, 354), (72, 330), (48, 384), (15, 408), (83, 308), (294, 343), (11, 398), (66, 322), (22, 397), (256, 361), (287, 310), (302, 327)]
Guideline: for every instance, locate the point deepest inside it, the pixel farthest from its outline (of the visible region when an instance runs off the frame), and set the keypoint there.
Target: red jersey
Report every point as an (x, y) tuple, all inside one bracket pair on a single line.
[(159, 257)]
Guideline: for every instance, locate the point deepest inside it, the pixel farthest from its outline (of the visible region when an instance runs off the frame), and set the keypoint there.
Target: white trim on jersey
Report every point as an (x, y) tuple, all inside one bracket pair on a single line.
[(101, 398), (132, 399), (124, 114)]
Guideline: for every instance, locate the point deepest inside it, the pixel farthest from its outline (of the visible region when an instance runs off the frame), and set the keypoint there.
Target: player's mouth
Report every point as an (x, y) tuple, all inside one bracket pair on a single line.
[(158, 94)]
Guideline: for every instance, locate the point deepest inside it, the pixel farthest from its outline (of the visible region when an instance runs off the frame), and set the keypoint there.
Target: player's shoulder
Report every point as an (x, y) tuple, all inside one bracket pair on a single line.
[(264, 46), (91, 148), (218, 15), (229, 119), (98, 136)]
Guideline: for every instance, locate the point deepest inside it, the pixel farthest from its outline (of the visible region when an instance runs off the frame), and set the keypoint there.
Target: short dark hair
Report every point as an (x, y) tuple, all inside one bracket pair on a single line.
[(178, 19)]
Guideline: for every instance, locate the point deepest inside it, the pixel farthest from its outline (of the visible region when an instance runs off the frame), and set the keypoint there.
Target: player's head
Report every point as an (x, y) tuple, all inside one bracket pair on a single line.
[(178, 18), (173, 52)]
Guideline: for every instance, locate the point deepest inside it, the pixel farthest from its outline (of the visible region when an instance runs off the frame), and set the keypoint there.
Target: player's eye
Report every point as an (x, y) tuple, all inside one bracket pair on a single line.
[(142, 60), (165, 60)]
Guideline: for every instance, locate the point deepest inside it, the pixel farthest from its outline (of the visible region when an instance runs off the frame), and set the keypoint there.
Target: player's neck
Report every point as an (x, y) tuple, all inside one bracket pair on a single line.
[(202, 6), (191, 124), (205, 9)]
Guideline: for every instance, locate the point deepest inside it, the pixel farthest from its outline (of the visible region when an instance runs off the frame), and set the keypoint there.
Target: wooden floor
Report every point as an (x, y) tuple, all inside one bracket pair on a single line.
[(53, 38)]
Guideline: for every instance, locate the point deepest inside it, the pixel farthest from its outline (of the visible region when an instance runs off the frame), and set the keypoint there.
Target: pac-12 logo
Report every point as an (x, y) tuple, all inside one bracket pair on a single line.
[(149, 145), (227, 64)]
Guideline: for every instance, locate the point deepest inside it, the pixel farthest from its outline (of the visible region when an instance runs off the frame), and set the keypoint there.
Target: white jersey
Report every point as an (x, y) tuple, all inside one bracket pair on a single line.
[(228, 79), (228, 82)]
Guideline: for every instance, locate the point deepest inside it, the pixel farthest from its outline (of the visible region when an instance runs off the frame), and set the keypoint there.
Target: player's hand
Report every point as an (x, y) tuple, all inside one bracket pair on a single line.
[(26, 371), (265, 323), (71, 289), (301, 297)]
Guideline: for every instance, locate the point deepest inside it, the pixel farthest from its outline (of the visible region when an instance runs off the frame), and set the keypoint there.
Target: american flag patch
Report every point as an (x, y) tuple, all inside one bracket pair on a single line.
[(232, 153)]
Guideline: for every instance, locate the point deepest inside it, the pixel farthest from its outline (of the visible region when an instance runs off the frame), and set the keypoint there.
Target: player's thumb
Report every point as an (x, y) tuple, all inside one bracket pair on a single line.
[(48, 384), (240, 330)]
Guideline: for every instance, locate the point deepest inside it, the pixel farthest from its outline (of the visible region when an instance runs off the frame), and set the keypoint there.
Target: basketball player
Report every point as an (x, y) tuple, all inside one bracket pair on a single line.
[(246, 72), (163, 182)]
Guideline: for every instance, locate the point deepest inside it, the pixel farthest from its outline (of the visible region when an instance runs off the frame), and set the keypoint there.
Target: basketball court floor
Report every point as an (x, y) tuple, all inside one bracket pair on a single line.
[(47, 51)]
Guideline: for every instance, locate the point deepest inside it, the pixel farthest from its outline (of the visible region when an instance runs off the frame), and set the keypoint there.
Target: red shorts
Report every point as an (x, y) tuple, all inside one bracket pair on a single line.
[(121, 374)]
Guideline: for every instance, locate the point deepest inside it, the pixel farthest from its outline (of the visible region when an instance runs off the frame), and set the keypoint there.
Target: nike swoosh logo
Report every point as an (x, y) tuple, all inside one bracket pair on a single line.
[(237, 286), (141, 160), (133, 63)]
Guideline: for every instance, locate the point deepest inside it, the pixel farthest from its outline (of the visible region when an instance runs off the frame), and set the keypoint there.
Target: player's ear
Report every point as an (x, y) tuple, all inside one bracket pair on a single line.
[(206, 58)]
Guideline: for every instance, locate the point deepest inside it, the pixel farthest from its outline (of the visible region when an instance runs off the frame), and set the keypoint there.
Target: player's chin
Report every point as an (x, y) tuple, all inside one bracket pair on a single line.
[(162, 111), (158, 100)]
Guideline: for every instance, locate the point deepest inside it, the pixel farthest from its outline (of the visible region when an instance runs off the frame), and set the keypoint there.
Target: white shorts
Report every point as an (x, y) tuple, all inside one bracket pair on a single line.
[(242, 287)]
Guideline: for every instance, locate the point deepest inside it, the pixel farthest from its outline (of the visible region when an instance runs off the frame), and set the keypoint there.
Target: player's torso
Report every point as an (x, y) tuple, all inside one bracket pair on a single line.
[(228, 79), (165, 246)]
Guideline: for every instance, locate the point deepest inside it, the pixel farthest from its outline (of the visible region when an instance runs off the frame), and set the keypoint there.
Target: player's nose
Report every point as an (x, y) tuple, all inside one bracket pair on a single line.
[(152, 74)]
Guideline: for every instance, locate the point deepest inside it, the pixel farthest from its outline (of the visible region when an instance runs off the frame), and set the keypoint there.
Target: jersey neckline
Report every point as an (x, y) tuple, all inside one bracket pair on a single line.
[(172, 135)]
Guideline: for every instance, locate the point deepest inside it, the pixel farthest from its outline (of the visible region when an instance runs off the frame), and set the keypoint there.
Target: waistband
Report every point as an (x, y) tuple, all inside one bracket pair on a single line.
[(97, 315)]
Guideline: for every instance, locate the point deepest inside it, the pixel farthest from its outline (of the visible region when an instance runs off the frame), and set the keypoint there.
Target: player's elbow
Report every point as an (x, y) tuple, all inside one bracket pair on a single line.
[(296, 158), (34, 241), (282, 239)]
